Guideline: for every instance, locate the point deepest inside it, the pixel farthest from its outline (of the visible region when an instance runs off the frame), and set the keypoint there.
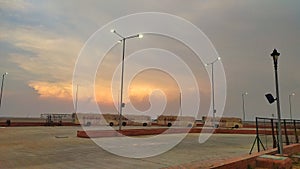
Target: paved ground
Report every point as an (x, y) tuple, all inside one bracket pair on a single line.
[(58, 147)]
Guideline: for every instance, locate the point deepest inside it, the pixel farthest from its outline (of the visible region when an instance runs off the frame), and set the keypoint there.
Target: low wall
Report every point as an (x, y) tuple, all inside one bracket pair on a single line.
[(132, 132), (155, 131)]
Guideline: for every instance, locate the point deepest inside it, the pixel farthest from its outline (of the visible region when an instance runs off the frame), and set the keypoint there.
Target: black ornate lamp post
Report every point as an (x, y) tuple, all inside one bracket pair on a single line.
[(275, 56)]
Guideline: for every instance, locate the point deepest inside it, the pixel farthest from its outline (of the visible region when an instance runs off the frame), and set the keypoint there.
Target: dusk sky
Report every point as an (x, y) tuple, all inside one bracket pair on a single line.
[(40, 42)]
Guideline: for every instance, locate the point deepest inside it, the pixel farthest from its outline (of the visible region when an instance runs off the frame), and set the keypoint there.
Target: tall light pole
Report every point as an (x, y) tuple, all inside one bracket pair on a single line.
[(213, 89), (123, 40), (76, 99), (290, 102), (2, 86), (180, 109), (275, 56), (243, 99)]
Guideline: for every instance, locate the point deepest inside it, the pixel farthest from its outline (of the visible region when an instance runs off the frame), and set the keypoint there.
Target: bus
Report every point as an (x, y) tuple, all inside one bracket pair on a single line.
[(138, 120), (225, 122), (186, 121), (93, 119)]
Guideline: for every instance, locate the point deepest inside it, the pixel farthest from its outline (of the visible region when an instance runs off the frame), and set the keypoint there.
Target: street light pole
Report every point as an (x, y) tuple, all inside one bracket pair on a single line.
[(290, 102), (243, 99), (2, 85), (275, 56), (76, 99), (123, 39), (180, 109), (213, 89)]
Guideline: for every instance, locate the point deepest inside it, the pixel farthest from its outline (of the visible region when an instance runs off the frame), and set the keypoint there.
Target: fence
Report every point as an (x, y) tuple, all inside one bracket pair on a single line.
[(267, 132)]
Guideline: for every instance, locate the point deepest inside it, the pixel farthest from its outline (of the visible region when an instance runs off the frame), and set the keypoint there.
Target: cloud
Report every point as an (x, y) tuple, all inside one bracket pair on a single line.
[(56, 90), (17, 5), (51, 58)]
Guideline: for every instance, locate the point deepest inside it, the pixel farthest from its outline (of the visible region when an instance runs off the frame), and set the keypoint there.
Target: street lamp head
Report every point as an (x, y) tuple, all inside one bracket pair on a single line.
[(275, 54), (270, 98), (112, 31), (206, 64), (140, 36), (246, 93), (5, 73), (293, 94)]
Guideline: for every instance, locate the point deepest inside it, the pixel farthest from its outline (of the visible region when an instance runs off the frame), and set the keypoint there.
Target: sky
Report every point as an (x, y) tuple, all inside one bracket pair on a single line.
[(40, 42)]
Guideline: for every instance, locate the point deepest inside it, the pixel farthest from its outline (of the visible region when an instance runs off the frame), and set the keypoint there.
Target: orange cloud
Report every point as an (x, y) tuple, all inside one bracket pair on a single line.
[(140, 91), (104, 95), (47, 89)]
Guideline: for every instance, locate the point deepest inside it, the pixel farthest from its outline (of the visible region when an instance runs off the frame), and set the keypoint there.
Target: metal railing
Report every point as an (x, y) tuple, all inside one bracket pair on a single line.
[(267, 133)]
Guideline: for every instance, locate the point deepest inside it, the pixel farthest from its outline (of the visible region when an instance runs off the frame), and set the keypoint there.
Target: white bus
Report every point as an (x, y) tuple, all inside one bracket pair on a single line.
[(138, 120), (186, 121), (226, 122), (93, 119)]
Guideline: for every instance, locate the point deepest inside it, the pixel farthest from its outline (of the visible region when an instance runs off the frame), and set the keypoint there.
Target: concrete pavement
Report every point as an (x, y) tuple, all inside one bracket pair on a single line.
[(58, 147)]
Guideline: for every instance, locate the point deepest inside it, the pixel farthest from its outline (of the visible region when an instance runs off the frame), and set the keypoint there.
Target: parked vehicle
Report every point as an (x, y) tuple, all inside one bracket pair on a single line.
[(226, 122), (93, 119), (138, 120), (186, 121)]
